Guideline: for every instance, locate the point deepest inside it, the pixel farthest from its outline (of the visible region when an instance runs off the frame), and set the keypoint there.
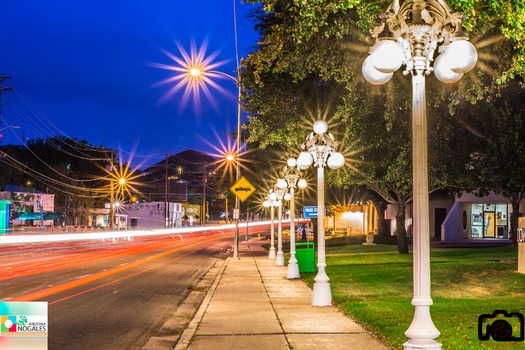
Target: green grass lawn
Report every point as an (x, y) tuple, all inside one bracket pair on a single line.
[(373, 285)]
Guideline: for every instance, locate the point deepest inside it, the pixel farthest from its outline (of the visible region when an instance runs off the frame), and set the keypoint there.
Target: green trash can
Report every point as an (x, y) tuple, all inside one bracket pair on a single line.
[(305, 255)]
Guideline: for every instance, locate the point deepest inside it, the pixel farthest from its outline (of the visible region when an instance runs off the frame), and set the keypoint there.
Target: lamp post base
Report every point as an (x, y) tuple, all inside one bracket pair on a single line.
[(422, 332), (432, 346), (272, 253), (279, 259), (293, 268), (322, 294)]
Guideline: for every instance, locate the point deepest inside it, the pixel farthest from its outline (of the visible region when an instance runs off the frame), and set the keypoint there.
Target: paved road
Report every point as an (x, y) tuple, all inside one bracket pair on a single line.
[(110, 295)]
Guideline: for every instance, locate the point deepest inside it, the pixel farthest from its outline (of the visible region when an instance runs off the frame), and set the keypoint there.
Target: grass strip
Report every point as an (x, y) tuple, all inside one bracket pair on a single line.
[(373, 285)]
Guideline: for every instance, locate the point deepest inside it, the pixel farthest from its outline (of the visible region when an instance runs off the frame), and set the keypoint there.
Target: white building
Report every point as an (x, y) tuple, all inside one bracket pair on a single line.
[(35, 206), (152, 215)]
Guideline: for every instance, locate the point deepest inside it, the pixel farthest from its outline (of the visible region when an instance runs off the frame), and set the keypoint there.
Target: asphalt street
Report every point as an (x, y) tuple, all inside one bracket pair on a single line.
[(111, 294)]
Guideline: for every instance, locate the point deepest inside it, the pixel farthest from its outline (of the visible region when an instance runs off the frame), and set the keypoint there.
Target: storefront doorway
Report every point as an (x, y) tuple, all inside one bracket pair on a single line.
[(489, 220)]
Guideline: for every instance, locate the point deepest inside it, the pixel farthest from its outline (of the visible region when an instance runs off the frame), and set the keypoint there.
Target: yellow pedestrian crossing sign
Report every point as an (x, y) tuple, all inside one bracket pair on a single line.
[(242, 189)]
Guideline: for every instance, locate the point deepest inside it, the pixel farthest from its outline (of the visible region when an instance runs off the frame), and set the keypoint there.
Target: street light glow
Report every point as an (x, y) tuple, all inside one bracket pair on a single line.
[(194, 73)]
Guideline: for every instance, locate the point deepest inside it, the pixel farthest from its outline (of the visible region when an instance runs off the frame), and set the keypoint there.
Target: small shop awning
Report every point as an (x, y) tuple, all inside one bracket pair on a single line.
[(36, 216), (51, 216), (28, 216)]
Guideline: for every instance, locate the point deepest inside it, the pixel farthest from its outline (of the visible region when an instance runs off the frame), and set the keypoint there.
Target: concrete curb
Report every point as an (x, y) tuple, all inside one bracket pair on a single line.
[(186, 337)]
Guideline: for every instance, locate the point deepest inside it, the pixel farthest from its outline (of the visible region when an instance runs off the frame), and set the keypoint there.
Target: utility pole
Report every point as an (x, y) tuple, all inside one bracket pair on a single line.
[(203, 218), (166, 200), (2, 89)]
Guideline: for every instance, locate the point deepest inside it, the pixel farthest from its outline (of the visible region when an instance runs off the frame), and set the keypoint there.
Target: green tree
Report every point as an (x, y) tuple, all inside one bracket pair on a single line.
[(72, 169), (308, 63), (495, 130)]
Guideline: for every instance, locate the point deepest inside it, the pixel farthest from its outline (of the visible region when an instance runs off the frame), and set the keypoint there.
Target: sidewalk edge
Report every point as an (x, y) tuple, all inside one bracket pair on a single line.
[(186, 337)]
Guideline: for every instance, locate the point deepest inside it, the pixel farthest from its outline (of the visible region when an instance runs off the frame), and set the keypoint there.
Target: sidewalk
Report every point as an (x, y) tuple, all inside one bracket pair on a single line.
[(252, 305)]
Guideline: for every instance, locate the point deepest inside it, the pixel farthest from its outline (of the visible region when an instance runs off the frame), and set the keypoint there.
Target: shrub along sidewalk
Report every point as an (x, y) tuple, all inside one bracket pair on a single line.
[(373, 285)]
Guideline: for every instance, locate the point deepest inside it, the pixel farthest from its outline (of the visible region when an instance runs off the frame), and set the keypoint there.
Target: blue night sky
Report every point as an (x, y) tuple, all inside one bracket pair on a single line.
[(85, 69)]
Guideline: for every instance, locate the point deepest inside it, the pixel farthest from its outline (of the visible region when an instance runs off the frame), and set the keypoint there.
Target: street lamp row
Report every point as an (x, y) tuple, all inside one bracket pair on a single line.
[(318, 149)]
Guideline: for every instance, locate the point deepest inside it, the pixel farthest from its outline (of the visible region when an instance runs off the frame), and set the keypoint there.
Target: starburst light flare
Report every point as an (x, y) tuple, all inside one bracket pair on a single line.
[(194, 73)]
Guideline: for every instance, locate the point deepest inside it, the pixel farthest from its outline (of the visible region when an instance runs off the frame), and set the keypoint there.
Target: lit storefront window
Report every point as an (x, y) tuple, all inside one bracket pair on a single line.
[(489, 220)]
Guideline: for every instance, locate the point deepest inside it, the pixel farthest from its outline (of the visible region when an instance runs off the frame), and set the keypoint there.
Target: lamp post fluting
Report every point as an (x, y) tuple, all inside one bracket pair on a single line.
[(290, 178), (319, 149), (410, 33)]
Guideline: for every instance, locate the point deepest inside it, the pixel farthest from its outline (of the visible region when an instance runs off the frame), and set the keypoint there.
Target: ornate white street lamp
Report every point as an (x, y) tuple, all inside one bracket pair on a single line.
[(277, 195), (271, 203), (319, 149), (409, 34), (291, 177)]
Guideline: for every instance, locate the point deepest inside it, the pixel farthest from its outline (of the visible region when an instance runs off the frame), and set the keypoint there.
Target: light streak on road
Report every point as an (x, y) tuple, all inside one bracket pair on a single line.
[(129, 234), (43, 293), (24, 267), (73, 254)]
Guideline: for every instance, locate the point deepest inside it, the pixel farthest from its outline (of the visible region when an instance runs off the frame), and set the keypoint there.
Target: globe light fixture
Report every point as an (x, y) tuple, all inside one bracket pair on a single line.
[(418, 28), (318, 149), (443, 72), (460, 56), (387, 56), (291, 176), (373, 75)]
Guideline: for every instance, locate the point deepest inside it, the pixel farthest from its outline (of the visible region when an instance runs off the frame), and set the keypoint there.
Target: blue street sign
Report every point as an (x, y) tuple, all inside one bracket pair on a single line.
[(310, 212)]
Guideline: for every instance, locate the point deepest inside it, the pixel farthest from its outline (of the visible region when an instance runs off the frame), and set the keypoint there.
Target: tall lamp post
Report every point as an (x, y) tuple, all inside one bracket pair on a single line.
[(409, 34), (319, 149), (271, 201), (290, 178), (200, 73), (278, 195)]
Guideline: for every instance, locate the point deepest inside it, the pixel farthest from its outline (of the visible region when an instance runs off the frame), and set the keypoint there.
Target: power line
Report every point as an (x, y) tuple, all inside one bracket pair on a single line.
[(2, 89)]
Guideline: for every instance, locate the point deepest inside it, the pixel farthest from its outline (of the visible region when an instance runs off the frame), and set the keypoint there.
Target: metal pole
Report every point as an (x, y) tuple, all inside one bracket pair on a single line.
[(293, 267), (111, 203), (166, 193), (237, 176), (322, 295), (203, 212), (247, 217), (238, 170)]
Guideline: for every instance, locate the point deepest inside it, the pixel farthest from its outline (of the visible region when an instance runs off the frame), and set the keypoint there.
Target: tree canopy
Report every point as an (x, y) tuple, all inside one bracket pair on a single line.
[(307, 66)]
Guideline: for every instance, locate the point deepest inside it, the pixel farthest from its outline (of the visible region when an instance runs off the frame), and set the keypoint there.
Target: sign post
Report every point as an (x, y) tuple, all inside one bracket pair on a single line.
[(310, 212)]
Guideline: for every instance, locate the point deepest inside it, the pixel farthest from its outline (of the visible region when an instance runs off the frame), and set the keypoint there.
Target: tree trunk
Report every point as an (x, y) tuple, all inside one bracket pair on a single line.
[(402, 240), (514, 221), (382, 224)]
